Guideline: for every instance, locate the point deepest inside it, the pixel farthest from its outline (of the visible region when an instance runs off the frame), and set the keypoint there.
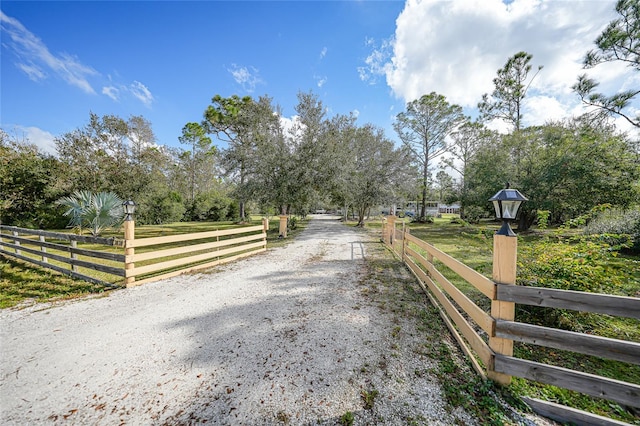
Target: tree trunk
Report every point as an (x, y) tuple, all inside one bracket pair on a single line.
[(361, 212), (525, 221)]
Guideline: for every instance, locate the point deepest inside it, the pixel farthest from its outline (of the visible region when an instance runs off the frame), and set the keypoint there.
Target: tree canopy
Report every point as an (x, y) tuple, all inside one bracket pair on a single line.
[(619, 42)]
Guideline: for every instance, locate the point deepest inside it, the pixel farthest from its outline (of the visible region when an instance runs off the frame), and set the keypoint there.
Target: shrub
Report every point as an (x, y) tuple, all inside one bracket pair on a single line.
[(580, 264), (617, 222), (96, 211), (543, 218), (473, 214)]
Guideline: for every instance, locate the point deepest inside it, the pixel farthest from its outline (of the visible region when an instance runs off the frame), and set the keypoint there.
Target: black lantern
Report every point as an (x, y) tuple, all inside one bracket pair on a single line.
[(129, 208), (506, 203)]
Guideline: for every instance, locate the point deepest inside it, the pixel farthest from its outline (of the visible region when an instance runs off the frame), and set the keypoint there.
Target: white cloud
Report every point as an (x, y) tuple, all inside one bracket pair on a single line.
[(141, 92), (377, 63), (320, 80), (111, 92), (34, 72), (41, 138), (247, 77), (456, 47), (28, 47), (323, 52), (356, 113)]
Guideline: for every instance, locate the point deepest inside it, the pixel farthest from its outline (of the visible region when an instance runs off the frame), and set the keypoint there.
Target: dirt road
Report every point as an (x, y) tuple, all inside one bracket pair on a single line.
[(288, 336)]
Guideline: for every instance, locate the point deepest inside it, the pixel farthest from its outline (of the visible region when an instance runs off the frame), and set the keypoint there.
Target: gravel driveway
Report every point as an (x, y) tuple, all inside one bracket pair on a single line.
[(288, 336)]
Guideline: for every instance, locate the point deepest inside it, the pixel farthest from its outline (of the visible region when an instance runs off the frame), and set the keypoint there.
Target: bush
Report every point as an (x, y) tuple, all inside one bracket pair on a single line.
[(161, 208), (580, 265), (543, 218), (619, 223), (473, 214)]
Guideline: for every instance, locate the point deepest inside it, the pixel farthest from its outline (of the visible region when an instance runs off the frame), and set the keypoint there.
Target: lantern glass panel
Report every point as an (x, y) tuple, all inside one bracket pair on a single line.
[(496, 206), (510, 209)]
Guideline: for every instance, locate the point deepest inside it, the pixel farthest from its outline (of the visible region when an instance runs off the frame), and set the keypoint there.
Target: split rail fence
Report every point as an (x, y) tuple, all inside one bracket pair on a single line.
[(102, 261), (456, 308)]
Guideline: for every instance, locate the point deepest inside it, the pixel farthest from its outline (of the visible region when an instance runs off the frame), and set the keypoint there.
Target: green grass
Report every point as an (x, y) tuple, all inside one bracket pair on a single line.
[(22, 283)]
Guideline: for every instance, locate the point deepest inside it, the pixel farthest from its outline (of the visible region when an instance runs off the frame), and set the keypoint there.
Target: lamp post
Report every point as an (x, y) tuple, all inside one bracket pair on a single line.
[(129, 208), (505, 253), (506, 202)]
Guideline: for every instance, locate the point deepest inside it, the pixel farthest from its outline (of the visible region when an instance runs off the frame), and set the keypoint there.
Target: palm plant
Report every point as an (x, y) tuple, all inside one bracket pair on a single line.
[(94, 211)]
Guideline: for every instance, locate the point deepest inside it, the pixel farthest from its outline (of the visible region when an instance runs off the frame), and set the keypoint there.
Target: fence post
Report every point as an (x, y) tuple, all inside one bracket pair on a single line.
[(404, 234), (392, 230), (505, 251), (265, 224), (15, 234), (43, 249), (283, 225), (129, 251), (74, 244)]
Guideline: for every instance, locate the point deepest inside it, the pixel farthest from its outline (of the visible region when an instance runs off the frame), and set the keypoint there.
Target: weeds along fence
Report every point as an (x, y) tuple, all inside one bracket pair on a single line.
[(102, 261), (472, 323)]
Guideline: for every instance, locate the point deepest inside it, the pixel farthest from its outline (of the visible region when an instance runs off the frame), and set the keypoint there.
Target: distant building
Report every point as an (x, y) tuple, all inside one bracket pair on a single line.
[(449, 208)]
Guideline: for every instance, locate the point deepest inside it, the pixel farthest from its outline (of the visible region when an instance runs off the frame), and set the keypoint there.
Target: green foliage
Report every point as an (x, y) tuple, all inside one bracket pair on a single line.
[(578, 264), (565, 167), (619, 42), (161, 208), (347, 419), (618, 227), (505, 103), (368, 398), (473, 214), (292, 223), (28, 185), (575, 265), (423, 128), (543, 219), (94, 211)]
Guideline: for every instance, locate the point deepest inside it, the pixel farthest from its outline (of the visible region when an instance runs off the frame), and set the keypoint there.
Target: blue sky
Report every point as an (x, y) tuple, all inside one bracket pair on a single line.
[(165, 60)]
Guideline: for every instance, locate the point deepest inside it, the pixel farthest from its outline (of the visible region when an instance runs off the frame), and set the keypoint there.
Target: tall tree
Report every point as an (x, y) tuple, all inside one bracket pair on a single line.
[(229, 119), (565, 167), (309, 146), (505, 103), (108, 154), (29, 184), (376, 168), (465, 143), (194, 134), (423, 129), (619, 42)]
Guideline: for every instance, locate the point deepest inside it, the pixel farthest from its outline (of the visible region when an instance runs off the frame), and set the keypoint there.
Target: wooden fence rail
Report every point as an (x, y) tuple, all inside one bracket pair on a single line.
[(468, 317), (194, 251), (198, 253), (64, 251)]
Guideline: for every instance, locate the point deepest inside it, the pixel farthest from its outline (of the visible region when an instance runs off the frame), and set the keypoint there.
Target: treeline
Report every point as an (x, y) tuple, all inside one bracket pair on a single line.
[(565, 168), (256, 164)]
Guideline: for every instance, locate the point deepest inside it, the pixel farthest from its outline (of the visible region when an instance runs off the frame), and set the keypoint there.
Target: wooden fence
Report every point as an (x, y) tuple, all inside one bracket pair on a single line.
[(61, 252), (157, 258), (456, 308), (204, 250)]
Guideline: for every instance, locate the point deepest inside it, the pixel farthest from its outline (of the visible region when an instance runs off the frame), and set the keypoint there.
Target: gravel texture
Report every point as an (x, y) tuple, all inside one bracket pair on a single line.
[(291, 336)]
